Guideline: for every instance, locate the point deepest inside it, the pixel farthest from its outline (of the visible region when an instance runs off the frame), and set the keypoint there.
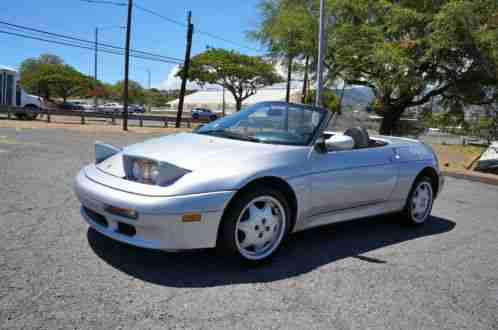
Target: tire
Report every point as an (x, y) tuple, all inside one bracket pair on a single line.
[(249, 232), (419, 204), (195, 117), (213, 118), (31, 116)]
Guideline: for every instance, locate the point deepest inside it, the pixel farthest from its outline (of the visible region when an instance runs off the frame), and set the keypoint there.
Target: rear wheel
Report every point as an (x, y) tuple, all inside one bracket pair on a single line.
[(31, 115), (255, 225), (419, 204)]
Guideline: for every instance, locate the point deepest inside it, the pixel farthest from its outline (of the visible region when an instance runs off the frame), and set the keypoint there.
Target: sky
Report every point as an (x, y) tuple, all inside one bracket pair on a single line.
[(225, 18)]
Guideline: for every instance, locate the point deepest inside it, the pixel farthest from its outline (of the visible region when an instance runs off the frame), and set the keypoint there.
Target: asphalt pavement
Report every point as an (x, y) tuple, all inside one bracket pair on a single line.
[(376, 273)]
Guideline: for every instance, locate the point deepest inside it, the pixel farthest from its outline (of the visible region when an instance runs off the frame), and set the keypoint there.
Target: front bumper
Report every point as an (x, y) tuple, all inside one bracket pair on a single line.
[(159, 224)]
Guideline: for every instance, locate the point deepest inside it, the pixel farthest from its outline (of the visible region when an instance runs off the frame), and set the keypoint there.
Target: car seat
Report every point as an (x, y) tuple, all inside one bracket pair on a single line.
[(360, 137)]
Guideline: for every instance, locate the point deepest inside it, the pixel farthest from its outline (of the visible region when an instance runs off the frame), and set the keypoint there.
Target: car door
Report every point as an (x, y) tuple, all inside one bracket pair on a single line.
[(353, 178)]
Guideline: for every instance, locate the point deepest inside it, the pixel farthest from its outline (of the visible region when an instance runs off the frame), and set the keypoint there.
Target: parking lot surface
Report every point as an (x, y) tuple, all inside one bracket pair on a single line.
[(56, 273)]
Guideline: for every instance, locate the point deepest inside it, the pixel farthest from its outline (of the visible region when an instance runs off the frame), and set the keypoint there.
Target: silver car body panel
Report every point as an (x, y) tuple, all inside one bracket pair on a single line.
[(329, 187)]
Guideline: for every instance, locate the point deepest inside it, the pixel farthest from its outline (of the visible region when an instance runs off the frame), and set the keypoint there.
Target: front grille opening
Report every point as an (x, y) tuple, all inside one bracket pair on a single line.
[(97, 218), (126, 229)]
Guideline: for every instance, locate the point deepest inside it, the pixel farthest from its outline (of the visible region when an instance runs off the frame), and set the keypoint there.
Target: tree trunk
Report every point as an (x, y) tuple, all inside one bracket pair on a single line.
[(289, 77), (305, 80), (238, 104), (390, 121)]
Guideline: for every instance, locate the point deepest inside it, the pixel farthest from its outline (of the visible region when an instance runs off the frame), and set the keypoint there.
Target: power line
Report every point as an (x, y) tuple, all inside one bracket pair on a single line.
[(206, 33), (105, 2), (174, 21), (90, 43), (63, 43), (226, 40), (160, 16)]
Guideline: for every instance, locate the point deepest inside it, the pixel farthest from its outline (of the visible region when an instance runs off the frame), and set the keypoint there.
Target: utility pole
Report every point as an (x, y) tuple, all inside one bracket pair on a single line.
[(321, 49), (95, 100), (186, 68), (127, 66)]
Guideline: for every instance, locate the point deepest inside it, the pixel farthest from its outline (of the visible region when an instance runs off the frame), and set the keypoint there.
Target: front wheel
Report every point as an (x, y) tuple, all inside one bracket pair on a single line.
[(419, 204), (255, 225)]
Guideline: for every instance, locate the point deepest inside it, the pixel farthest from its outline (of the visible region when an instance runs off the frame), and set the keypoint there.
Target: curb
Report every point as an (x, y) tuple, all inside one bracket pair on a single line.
[(473, 176)]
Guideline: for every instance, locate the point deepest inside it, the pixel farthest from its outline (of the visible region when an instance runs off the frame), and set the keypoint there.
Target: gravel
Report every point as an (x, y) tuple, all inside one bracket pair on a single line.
[(56, 273)]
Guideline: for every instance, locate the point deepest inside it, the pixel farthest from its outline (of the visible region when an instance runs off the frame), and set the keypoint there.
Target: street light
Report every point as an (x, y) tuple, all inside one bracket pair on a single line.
[(321, 49), (97, 30), (129, 4), (150, 76), (149, 81)]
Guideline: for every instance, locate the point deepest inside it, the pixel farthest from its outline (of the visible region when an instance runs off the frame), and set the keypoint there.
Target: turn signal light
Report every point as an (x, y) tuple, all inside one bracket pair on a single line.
[(192, 217), (126, 213)]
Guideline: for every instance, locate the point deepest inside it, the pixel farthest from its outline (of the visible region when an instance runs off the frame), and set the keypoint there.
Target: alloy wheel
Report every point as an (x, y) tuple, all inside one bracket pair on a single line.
[(260, 227)]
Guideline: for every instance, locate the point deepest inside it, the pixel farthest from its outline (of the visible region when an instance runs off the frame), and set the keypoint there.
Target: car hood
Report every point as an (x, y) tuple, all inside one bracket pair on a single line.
[(200, 163)]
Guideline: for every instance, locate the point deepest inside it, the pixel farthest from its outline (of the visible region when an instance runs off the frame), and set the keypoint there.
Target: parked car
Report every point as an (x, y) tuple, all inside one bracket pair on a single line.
[(243, 189), (137, 108), (200, 114), (111, 107), (84, 105), (71, 106)]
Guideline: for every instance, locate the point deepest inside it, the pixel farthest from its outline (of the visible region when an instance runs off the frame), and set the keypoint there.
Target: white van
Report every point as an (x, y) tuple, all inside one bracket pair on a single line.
[(11, 94)]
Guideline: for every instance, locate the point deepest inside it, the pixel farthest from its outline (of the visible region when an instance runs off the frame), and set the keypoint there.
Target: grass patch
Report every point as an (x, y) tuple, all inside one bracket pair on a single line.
[(457, 157)]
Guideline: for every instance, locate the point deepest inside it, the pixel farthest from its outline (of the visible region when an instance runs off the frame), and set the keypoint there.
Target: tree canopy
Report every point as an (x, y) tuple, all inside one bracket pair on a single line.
[(410, 51), (49, 77), (284, 30), (242, 75), (406, 51)]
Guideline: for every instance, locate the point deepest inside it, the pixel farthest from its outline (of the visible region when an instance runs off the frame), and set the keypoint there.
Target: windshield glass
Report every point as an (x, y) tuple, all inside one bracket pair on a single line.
[(269, 122)]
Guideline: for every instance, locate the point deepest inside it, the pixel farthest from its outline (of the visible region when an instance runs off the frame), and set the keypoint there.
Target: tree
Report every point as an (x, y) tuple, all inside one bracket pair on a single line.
[(284, 31), (65, 81), (136, 93), (33, 78), (410, 51), (157, 98), (330, 100), (242, 75), (50, 59), (48, 76)]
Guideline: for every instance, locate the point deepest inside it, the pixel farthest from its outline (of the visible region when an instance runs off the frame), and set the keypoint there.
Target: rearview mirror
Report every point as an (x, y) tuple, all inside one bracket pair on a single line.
[(339, 142)]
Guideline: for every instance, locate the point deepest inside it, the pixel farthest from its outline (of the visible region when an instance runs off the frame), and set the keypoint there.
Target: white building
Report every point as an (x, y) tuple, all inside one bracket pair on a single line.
[(213, 98)]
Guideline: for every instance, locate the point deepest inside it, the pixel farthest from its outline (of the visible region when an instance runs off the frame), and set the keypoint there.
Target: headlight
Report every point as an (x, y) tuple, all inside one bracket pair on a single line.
[(145, 171)]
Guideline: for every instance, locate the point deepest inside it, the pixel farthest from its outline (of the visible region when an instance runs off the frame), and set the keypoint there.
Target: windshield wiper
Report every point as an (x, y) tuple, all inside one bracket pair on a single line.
[(231, 135)]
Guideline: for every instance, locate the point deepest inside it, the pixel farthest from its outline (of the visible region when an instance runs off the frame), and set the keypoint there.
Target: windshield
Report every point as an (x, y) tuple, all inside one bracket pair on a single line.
[(269, 122)]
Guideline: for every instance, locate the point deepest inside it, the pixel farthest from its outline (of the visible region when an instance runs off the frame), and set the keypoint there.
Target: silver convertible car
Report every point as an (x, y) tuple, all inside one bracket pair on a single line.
[(245, 182)]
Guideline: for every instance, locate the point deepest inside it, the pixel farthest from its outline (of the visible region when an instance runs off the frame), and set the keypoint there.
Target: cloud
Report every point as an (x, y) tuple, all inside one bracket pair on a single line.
[(174, 82)]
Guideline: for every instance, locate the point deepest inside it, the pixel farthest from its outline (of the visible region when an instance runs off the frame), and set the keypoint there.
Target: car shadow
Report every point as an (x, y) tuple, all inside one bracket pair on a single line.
[(301, 253)]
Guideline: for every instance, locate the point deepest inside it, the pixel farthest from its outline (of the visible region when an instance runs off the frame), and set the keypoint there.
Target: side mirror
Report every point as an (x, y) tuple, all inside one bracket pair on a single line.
[(339, 142)]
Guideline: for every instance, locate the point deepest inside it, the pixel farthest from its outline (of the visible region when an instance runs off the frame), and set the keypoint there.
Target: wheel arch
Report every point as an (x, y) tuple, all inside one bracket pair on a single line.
[(432, 174), (31, 105), (276, 183)]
